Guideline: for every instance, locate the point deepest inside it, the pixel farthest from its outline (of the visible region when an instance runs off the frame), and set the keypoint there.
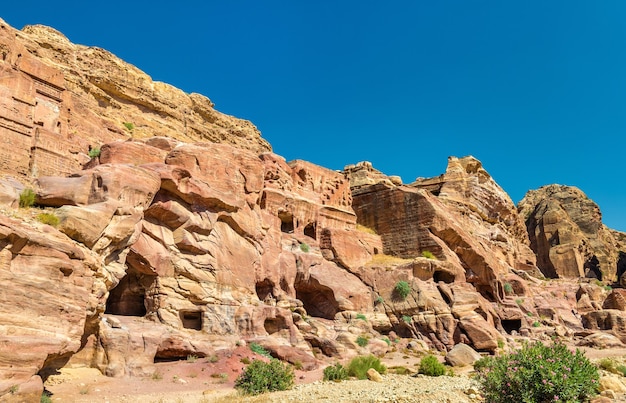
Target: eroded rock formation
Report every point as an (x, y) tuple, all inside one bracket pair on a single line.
[(566, 231), (167, 247), (58, 100)]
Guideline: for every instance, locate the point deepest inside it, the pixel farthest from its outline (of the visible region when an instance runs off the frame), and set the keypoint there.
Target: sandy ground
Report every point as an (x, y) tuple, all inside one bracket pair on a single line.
[(204, 380)]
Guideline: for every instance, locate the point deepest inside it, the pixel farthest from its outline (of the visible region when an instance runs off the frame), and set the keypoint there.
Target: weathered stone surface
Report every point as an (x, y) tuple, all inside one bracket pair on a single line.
[(43, 304), (566, 231), (462, 355), (59, 99)]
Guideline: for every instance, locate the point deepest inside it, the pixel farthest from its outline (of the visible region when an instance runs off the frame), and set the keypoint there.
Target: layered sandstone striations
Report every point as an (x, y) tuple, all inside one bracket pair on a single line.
[(58, 100)]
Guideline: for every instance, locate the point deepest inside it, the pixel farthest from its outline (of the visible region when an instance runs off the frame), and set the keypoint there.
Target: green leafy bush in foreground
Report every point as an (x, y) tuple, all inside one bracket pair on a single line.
[(48, 218), (335, 373), (359, 365), (538, 373), (430, 365), (260, 377)]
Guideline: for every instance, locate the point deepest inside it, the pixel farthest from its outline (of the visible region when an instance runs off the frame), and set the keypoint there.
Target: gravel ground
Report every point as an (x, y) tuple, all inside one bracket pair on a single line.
[(393, 388)]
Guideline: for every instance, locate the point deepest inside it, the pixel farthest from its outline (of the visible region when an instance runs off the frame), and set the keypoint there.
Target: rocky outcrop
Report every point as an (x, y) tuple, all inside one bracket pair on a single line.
[(59, 100), (566, 232), (45, 300)]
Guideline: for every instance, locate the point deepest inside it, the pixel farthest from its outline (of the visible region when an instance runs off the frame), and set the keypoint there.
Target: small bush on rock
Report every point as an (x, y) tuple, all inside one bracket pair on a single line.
[(335, 373), (27, 198), (402, 289), (359, 365), (430, 365), (260, 377), (48, 218), (257, 348), (538, 373), (362, 341)]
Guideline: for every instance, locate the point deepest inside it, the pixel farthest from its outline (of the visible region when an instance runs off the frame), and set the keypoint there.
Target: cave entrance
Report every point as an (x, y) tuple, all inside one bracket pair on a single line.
[(191, 319), (318, 300), (592, 268), (444, 276), (264, 289), (286, 223), (128, 297), (275, 325), (309, 231), (510, 325), (621, 264), (486, 291)]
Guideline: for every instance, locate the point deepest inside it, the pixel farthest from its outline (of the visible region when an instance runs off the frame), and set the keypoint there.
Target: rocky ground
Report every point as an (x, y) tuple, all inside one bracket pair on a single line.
[(211, 379)]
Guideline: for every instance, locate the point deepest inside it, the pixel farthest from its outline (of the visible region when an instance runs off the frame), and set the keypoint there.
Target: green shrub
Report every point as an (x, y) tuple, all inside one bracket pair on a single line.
[(257, 348), (379, 300), (335, 373), (48, 218), (430, 365), (45, 398), (362, 341), (610, 365), (386, 340), (536, 324), (402, 289), (428, 254), (94, 153), (359, 365), (407, 319), (245, 360), (361, 316), (27, 198), (304, 247), (260, 377), (508, 288), (538, 373), (129, 126)]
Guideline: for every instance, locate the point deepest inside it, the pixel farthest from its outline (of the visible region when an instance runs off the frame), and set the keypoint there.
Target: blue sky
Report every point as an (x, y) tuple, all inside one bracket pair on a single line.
[(536, 90)]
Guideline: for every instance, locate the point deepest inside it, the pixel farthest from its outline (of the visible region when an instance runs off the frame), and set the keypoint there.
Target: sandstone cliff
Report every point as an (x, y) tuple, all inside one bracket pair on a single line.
[(566, 231), (200, 240), (58, 100)]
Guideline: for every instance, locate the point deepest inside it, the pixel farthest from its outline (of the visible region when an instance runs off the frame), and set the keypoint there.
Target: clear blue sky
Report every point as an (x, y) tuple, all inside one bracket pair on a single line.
[(534, 89)]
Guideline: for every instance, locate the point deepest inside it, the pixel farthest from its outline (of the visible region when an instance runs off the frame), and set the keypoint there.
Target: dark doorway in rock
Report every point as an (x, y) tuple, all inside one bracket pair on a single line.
[(274, 325), (191, 319), (621, 264), (286, 223), (510, 325), (128, 297), (592, 268), (264, 289), (309, 230), (318, 300), (486, 291), (444, 276)]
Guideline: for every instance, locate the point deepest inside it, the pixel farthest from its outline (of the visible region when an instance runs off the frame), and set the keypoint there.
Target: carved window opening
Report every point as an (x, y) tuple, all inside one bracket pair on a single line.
[(511, 325), (191, 319), (286, 223), (264, 290), (309, 231), (128, 297)]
